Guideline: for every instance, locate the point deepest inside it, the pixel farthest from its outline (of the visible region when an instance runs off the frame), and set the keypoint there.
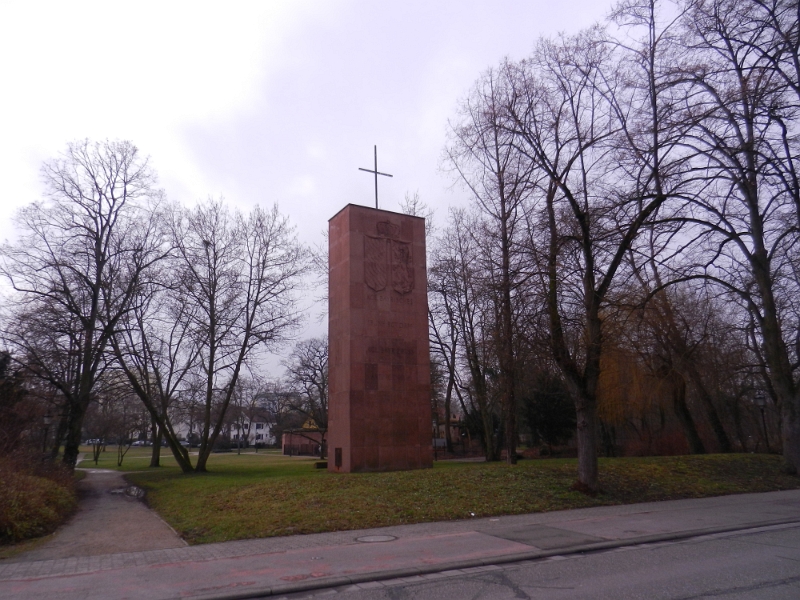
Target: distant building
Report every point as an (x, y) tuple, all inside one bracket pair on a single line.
[(252, 433), (303, 442)]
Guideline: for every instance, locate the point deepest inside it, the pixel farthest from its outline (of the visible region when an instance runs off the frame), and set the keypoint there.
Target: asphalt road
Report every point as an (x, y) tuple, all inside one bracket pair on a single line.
[(741, 546), (753, 564)]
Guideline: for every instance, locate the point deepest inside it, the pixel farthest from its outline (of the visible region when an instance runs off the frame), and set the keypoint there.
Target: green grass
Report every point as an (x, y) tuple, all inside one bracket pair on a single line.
[(267, 494), (136, 459)]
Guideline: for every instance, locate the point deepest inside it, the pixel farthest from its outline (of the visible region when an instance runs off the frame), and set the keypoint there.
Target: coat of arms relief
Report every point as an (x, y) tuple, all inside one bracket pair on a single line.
[(388, 260)]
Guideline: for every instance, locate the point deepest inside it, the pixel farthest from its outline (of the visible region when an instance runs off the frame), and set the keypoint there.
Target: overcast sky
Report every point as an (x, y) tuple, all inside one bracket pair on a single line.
[(258, 102)]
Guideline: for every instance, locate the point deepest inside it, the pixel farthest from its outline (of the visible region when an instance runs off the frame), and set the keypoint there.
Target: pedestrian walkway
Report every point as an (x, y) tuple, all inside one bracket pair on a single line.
[(271, 566), (110, 520)]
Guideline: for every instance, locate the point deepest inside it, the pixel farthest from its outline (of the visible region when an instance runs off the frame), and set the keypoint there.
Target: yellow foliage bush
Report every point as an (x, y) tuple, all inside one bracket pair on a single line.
[(31, 505)]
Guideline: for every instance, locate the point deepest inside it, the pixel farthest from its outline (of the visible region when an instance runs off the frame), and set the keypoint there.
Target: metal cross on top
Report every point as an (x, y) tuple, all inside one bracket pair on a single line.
[(376, 172)]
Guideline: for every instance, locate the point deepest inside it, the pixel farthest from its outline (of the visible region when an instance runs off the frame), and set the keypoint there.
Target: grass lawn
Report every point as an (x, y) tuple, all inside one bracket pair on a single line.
[(266, 494)]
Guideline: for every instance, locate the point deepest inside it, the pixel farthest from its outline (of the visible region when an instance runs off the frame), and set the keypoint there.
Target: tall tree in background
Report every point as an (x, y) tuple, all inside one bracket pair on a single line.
[(239, 273), (17, 415), (154, 347), (743, 76), (462, 305), (246, 402), (563, 121), (499, 178), (79, 259), (307, 376), (445, 329), (594, 116)]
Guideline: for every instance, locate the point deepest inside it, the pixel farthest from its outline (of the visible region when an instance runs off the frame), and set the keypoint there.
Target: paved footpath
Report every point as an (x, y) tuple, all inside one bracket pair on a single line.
[(277, 566), (110, 519)]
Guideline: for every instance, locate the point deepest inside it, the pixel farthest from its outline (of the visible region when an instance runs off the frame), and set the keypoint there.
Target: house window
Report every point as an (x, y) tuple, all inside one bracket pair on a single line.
[(259, 436), (259, 426)]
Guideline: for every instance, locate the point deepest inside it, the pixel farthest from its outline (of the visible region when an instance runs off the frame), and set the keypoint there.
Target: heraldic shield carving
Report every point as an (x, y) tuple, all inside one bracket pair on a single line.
[(376, 262), (388, 259)]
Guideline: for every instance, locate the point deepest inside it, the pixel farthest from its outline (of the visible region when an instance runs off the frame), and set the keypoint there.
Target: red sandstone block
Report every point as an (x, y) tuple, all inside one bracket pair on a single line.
[(378, 309), (372, 437), (356, 295), (371, 460), (358, 431)]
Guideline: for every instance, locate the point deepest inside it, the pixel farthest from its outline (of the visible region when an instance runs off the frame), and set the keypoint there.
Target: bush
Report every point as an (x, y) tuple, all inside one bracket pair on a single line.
[(33, 500)]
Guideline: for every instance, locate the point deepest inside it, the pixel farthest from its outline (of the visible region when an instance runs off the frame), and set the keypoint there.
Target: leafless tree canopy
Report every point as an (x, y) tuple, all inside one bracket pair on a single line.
[(82, 254), (630, 249), (112, 283), (307, 382), (658, 151)]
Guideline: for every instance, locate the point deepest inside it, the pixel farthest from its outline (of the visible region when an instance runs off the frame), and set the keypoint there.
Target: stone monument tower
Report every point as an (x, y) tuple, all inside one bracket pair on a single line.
[(379, 407)]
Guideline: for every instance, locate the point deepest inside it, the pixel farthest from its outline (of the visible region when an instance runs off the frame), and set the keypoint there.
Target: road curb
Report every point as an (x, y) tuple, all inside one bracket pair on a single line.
[(339, 580)]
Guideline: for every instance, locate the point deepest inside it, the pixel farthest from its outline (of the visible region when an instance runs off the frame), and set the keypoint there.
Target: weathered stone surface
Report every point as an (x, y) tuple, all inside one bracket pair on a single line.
[(379, 415)]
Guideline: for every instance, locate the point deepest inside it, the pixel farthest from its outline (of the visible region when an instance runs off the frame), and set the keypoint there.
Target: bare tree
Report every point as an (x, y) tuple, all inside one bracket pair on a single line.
[(79, 260), (155, 348), (481, 151), (276, 403), (114, 416), (129, 421), (246, 402), (462, 315), (601, 147), (239, 274), (307, 375), (445, 332), (662, 153), (743, 93)]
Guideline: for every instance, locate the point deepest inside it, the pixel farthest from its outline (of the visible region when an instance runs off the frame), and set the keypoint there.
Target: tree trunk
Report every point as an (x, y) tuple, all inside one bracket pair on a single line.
[(488, 435), (608, 435), (447, 437), (61, 432), (202, 459), (156, 437), (678, 391), (506, 354), (711, 411), (481, 397), (586, 413), (790, 433), (511, 431), (72, 439), (778, 362)]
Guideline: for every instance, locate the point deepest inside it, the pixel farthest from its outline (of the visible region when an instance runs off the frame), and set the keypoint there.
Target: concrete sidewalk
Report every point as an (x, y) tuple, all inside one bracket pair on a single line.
[(255, 568), (110, 519)]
